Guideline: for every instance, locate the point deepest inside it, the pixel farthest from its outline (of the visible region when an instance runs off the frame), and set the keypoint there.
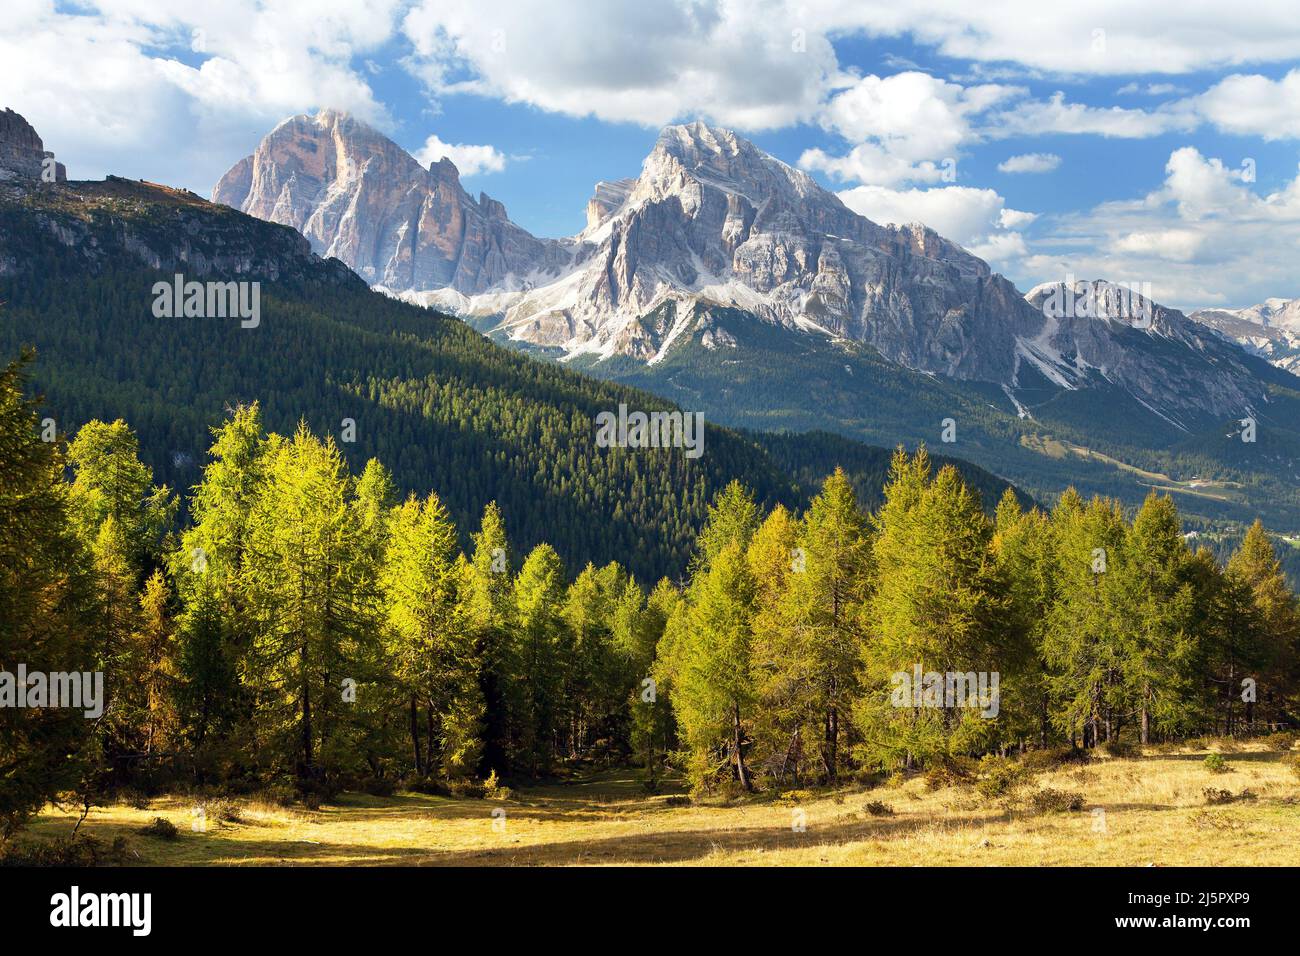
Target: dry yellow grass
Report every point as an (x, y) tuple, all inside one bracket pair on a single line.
[(1152, 811)]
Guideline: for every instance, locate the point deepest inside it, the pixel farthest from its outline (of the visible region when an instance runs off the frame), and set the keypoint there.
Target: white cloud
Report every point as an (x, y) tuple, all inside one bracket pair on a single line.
[(974, 218), (1015, 219), (1178, 245), (469, 160), (873, 165), (911, 115), (1150, 89), (1063, 38), (1030, 163), (751, 64), (1055, 115), (1254, 105), (1000, 247)]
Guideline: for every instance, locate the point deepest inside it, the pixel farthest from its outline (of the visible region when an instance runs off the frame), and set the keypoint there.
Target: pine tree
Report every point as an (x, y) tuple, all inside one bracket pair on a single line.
[(305, 578), (432, 641), (937, 604), (1080, 644), (536, 656), (713, 691), (489, 608), (1156, 619), (1255, 566), (1024, 547), (46, 609)]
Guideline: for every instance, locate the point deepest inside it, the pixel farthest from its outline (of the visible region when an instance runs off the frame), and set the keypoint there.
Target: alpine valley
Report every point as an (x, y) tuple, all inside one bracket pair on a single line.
[(731, 283)]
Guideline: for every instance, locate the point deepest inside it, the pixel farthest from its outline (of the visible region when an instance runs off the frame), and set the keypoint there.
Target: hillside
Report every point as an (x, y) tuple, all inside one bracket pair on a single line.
[(445, 408)]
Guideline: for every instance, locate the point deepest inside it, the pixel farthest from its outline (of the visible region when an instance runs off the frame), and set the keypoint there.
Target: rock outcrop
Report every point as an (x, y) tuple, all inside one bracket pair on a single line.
[(23, 154)]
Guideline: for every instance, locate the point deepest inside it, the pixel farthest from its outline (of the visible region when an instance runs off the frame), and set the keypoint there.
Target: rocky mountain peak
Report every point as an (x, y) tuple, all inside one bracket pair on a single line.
[(22, 153), (358, 196)]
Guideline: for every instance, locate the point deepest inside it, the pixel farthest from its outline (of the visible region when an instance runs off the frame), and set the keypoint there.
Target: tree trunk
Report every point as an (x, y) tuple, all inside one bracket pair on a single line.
[(415, 737), (832, 745), (741, 772), (306, 728)]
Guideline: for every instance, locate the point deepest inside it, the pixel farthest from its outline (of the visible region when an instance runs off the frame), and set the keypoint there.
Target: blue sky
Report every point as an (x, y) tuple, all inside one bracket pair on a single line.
[(1151, 146)]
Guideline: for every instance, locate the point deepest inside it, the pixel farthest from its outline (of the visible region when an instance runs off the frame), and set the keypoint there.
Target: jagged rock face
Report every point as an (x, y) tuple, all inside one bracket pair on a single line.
[(1156, 354), (713, 221), (23, 154), (361, 198), (1270, 330)]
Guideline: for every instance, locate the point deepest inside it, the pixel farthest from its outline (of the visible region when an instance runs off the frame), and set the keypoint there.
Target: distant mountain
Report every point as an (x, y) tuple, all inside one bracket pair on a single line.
[(729, 282), (1270, 330), (359, 197)]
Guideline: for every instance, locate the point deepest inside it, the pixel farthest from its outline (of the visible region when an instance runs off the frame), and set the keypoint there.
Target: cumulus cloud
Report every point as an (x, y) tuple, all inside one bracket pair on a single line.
[(974, 218), (469, 160), (911, 115), (751, 64), (1030, 163), (1254, 105), (1102, 37), (872, 164)]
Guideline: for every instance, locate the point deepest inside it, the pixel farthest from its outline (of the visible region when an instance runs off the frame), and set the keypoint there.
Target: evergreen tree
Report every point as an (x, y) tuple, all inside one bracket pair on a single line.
[(432, 640), (46, 613), (489, 608), (537, 658)]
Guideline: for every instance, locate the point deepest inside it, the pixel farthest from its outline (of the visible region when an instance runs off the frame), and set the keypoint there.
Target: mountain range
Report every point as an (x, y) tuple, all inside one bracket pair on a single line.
[(733, 283), (1270, 330)]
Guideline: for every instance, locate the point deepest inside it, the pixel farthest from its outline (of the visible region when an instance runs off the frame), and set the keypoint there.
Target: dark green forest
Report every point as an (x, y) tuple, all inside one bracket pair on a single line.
[(443, 408)]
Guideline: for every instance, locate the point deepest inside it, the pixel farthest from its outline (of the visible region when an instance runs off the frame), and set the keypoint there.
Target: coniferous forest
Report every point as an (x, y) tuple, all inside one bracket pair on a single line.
[(306, 628)]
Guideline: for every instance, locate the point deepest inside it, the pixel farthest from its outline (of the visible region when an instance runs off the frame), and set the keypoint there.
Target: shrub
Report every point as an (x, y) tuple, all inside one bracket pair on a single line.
[(1056, 801), (794, 796), (311, 800), (225, 811), (160, 827), (876, 808), (1282, 741), (1216, 764), (1215, 796), (678, 800), (998, 776), (953, 772), (493, 790)]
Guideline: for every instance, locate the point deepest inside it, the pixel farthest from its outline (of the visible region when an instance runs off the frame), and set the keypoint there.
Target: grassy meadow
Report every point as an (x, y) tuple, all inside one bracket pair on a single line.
[(1148, 809)]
